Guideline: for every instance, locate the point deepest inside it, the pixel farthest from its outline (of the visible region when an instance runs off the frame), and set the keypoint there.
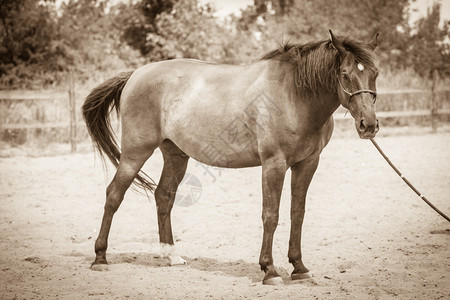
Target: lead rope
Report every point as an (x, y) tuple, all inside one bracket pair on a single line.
[(407, 182)]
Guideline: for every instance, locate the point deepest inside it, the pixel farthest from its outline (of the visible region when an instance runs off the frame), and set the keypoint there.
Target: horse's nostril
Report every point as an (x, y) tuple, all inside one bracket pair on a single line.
[(362, 126)]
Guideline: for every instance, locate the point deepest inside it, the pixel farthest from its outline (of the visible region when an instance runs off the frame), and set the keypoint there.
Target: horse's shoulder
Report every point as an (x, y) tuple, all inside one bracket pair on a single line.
[(326, 132)]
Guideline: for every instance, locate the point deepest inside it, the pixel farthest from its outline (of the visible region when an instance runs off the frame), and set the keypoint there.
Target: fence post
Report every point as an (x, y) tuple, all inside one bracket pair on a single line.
[(72, 113), (434, 104)]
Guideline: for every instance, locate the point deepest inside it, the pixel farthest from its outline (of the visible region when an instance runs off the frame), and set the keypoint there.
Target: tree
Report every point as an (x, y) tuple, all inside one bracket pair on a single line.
[(39, 42), (27, 31), (190, 31), (85, 32), (140, 20), (310, 20), (389, 18), (170, 29), (429, 49), (88, 37), (280, 7)]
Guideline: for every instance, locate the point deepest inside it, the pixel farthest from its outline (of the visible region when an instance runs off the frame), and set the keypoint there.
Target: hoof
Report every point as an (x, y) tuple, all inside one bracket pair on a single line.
[(176, 260), (300, 276), (101, 267), (273, 281)]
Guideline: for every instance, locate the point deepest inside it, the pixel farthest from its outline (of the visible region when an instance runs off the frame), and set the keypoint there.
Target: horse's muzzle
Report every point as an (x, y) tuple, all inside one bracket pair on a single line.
[(367, 129)]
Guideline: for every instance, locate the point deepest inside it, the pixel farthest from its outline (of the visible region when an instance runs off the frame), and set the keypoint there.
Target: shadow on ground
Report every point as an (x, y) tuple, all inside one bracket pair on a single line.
[(237, 268)]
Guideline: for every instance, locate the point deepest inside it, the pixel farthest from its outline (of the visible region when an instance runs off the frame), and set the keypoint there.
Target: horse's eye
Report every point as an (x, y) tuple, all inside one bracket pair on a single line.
[(345, 76)]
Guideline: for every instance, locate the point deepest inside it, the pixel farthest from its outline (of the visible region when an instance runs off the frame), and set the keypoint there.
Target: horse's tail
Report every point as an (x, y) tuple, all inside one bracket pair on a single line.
[(96, 110)]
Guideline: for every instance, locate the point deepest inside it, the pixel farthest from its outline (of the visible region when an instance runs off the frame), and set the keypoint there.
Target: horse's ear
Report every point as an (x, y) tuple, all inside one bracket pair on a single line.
[(374, 42), (338, 45)]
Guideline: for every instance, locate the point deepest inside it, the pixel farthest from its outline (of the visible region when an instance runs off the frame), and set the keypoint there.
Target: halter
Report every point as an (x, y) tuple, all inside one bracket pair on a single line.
[(374, 93)]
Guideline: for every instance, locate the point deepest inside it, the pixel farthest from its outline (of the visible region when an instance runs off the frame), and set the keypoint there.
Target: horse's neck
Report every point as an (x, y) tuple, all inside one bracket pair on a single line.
[(328, 104), (320, 107)]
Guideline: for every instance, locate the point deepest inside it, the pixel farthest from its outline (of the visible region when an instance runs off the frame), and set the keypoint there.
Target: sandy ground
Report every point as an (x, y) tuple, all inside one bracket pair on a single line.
[(366, 235)]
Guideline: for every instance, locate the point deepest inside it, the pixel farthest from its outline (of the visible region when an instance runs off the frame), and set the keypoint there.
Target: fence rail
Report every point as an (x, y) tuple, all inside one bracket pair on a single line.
[(401, 113), (336, 116), (70, 120)]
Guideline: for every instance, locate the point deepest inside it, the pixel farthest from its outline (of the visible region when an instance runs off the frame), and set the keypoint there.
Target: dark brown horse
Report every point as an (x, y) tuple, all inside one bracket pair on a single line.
[(276, 113)]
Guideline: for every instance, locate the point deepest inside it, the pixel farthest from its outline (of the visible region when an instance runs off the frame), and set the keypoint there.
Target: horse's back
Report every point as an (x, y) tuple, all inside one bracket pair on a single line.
[(183, 77)]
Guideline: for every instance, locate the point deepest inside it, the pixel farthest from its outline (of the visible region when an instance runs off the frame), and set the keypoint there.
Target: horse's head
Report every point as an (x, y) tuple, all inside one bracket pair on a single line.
[(356, 86)]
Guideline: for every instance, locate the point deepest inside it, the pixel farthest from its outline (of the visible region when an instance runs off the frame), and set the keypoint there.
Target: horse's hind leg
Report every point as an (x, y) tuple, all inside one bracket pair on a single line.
[(130, 164), (175, 164)]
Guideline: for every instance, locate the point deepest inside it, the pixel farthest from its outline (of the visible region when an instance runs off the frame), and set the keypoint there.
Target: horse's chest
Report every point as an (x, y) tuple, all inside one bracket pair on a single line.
[(307, 142)]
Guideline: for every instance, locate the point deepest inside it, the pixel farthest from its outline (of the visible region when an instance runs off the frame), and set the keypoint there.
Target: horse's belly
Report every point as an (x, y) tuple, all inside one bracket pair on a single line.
[(217, 136), (228, 148)]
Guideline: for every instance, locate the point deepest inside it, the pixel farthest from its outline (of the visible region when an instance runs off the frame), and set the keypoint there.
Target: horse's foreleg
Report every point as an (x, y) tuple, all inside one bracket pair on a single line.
[(273, 172), (127, 170), (302, 173), (175, 164)]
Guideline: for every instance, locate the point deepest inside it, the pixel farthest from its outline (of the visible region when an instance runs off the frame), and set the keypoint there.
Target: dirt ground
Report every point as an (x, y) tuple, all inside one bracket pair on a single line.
[(366, 235)]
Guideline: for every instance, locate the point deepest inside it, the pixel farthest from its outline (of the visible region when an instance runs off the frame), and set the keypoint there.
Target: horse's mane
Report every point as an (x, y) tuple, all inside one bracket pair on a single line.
[(317, 63)]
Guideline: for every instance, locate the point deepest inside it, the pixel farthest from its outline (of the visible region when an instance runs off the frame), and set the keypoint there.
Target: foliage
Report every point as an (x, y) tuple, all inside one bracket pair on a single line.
[(140, 20), (188, 30), (173, 29), (27, 42), (87, 37), (429, 52), (309, 20), (40, 41), (40, 44)]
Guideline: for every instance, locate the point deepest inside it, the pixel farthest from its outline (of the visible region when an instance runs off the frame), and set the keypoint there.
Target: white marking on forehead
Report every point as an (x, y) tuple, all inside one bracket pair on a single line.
[(360, 67)]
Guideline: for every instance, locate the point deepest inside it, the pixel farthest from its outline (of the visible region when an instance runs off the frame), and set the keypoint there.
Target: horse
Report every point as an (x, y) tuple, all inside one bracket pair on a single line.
[(275, 113)]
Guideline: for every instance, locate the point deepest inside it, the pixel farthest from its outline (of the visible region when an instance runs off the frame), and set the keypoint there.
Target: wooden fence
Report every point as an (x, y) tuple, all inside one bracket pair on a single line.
[(61, 110), (430, 103)]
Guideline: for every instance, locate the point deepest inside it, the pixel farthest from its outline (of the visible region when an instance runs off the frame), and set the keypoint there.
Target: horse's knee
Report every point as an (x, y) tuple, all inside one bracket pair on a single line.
[(270, 221)]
